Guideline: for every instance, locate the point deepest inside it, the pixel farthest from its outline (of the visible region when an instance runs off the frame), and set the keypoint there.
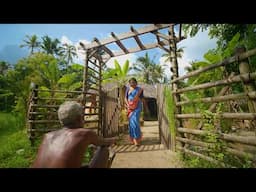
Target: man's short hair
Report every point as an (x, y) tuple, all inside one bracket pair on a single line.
[(69, 112)]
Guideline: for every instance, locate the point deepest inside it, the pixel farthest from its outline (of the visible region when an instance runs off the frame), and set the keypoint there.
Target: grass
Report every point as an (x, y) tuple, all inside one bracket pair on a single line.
[(15, 150)]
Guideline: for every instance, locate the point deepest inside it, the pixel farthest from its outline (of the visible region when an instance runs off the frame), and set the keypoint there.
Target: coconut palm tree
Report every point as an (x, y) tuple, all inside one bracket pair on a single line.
[(179, 53), (149, 71), (50, 46), (68, 52), (31, 42)]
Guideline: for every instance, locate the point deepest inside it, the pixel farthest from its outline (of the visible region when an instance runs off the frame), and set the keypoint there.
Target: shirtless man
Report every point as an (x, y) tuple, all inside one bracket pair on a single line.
[(65, 148)]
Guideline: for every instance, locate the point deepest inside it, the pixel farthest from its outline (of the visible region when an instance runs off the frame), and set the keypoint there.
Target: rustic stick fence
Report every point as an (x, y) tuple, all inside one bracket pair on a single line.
[(191, 135)]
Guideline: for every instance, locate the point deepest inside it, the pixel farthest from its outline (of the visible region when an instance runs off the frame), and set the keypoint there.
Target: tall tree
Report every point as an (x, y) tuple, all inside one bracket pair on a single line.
[(31, 42), (148, 70), (179, 53), (68, 52), (4, 66), (50, 46)]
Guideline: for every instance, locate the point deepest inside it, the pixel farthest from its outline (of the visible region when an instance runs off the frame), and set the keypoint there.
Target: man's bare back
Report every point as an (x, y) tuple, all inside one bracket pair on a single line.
[(66, 147), (63, 148)]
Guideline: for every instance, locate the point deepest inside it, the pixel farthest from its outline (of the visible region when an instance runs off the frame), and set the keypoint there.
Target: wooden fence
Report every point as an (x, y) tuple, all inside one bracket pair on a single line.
[(189, 139), (164, 128), (43, 105)]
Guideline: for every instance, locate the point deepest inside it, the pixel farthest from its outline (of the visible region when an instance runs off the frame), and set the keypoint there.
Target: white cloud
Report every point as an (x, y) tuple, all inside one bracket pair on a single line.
[(80, 52), (197, 46), (65, 40)]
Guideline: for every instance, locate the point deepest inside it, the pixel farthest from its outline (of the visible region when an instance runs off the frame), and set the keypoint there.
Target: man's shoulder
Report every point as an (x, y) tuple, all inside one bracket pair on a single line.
[(83, 132)]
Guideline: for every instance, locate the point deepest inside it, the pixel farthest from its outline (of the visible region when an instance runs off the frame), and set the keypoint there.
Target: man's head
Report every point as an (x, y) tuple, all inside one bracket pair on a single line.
[(70, 114)]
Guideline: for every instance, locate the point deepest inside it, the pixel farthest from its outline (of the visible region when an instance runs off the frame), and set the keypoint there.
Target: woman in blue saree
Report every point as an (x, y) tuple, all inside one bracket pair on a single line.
[(133, 97)]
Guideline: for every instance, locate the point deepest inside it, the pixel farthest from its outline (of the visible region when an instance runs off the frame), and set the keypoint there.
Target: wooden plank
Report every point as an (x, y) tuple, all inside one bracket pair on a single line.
[(88, 107), (93, 76), (44, 121), (138, 41), (65, 99), (160, 45), (43, 113), (213, 66), (58, 91), (108, 51), (164, 48), (91, 121), (92, 88), (118, 42), (126, 35), (93, 70), (94, 63), (90, 114), (158, 34), (45, 106), (137, 49), (43, 130)]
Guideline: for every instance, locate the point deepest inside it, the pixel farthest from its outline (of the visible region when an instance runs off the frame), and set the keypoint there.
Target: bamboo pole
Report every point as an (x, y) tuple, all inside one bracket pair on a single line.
[(213, 66), (239, 139), (175, 74), (100, 128), (249, 116), (238, 153), (248, 85), (213, 106), (44, 121), (58, 91), (237, 96), (85, 78), (42, 113), (44, 106), (200, 155), (238, 78)]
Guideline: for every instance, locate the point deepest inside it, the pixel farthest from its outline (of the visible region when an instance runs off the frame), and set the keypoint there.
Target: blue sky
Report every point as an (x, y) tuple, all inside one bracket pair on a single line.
[(12, 36)]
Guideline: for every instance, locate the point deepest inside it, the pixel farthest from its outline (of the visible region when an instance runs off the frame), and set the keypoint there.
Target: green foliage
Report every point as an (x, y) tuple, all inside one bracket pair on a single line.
[(217, 148), (31, 42), (170, 109), (118, 74), (15, 150), (148, 71)]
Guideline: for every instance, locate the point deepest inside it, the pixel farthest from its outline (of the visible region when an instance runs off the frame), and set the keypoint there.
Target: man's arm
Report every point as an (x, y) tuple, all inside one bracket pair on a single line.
[(93, 138)]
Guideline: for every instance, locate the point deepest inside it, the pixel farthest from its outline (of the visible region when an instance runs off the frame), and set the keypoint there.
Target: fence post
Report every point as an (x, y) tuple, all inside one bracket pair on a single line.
[(174, 86), (247, 85), (32, 101)]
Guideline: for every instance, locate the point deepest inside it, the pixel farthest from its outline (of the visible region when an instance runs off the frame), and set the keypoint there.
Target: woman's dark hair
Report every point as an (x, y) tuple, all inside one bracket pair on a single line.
[(133, 79)]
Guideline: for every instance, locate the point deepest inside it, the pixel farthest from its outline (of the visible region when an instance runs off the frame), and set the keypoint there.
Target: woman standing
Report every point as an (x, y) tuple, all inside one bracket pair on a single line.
[(133, 97)]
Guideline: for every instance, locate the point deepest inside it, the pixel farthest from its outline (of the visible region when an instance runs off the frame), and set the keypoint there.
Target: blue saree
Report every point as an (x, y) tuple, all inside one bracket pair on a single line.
[(134, 114)]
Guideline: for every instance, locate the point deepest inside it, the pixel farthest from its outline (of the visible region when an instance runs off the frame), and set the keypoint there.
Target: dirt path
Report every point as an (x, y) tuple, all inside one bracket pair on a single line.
[(150, 154)]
